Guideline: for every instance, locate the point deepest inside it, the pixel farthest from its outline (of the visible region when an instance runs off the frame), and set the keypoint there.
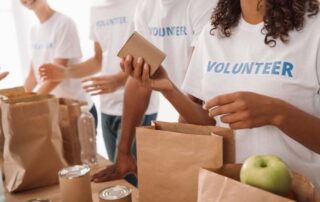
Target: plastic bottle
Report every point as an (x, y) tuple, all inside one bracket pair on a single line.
[(87, 137)]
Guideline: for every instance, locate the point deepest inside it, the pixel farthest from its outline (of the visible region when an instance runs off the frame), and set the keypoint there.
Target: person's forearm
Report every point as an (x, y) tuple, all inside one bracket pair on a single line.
[(47, 87), (86, 68), (300, 126), (190, 111), (30, 83), (136, 101)]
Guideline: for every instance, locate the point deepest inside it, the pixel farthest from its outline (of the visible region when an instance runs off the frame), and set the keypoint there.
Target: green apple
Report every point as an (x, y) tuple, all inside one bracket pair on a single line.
[(267, 172)]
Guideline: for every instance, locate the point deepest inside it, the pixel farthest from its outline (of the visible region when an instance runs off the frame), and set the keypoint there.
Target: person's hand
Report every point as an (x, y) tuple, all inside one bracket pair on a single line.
[(3, 75), (125, 164), (141, 72), (104, 84), (243, 110), (52, 72)]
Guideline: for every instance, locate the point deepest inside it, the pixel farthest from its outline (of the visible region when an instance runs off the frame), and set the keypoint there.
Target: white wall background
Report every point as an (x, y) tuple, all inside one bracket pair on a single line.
[(15, 23)]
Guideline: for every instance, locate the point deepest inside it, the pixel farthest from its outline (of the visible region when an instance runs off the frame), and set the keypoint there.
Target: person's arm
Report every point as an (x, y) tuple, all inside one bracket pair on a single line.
[(244, 110), (48, 86), (136, 100), (104, 84), (56, 72), (30, 82)]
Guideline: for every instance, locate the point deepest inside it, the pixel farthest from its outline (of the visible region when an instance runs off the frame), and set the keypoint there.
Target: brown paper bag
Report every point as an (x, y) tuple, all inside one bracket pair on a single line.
[(169, 158), (69, 112), (223, 186), (5, 94), (33, 143)]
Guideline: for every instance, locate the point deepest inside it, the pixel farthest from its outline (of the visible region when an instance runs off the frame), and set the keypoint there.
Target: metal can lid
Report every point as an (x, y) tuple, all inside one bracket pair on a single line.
[(74, 171), (39, 200), (115, 192)]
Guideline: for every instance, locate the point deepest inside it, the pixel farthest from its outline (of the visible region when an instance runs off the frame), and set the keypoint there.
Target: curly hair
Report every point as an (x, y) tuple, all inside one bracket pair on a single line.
[(281, 17)]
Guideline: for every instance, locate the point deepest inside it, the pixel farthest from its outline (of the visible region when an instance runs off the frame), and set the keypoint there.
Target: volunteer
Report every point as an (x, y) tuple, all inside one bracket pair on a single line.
[(256, 68), (54, 40), (111, 26), (173, 26)]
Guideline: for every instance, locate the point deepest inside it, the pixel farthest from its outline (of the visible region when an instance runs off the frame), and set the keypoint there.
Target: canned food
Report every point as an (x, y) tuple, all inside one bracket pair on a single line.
[(74, 171), (75, 185), (39, 200), (116, 194)]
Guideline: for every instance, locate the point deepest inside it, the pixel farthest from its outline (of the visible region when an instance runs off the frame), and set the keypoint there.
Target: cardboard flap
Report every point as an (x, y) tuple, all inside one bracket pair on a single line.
[(68, 101), (227, 134), (219, 188), (12, 91), (137, 46), (229, 170), (27, 98)]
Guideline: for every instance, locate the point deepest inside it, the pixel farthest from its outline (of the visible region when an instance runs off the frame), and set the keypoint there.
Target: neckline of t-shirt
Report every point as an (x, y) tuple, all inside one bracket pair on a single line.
[(243, 24), (51, 18)]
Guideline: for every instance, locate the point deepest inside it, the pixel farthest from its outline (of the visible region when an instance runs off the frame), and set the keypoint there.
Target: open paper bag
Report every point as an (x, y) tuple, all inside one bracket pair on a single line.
[(170, 155), (69, 112), (33, 144), (5, 94), (223, 186)]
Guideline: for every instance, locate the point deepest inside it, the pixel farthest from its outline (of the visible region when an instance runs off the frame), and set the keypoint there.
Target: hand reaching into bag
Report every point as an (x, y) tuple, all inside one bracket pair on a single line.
[(141, 72)]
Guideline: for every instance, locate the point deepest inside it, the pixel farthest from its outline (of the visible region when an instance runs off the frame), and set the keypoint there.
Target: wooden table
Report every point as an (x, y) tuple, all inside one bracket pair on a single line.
[(53, 192)]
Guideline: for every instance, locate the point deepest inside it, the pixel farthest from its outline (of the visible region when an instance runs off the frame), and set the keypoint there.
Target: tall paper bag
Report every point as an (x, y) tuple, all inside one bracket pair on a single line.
[(69, 112), (4, 94), (33, 143), (169, 159)]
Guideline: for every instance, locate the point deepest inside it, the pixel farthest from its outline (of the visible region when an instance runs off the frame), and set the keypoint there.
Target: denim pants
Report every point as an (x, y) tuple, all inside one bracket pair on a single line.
[(111, 128)]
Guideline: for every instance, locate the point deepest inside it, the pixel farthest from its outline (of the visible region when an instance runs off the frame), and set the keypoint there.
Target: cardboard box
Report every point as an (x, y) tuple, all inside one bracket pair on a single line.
[(223, 186), (137, 46)]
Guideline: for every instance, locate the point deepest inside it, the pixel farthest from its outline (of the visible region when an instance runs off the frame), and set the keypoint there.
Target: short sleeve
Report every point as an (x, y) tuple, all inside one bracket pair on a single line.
[(92, 33), (67, 42), (200, 12), (193, 82)]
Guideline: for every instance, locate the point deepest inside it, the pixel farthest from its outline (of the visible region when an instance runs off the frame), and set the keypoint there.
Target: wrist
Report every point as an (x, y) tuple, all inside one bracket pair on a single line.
[(280, 113), (121, 78), (168, 90), (123, 149)]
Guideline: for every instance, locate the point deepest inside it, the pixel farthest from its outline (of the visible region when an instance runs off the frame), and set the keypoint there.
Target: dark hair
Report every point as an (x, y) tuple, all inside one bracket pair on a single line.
[(281, 17)]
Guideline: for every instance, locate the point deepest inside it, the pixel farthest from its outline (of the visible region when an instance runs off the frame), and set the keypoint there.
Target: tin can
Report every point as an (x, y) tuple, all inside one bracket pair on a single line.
[(39, 200), (115, 194), (75, 184)]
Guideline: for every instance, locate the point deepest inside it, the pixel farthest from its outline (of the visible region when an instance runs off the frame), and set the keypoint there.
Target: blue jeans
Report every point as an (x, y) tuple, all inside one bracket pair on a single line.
[(111, 128)]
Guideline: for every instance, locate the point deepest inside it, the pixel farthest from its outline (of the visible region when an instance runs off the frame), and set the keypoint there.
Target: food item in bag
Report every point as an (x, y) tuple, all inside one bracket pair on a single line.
[(267, 172)]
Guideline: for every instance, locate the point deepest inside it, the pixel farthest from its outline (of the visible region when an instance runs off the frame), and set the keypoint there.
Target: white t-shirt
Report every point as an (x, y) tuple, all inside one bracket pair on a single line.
[(173, 26), (111, 26), (57, 38), (243, 62)]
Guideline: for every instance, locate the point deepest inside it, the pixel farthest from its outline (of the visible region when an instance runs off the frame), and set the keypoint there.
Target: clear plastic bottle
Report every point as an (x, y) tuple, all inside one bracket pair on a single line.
[(87, 137)]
